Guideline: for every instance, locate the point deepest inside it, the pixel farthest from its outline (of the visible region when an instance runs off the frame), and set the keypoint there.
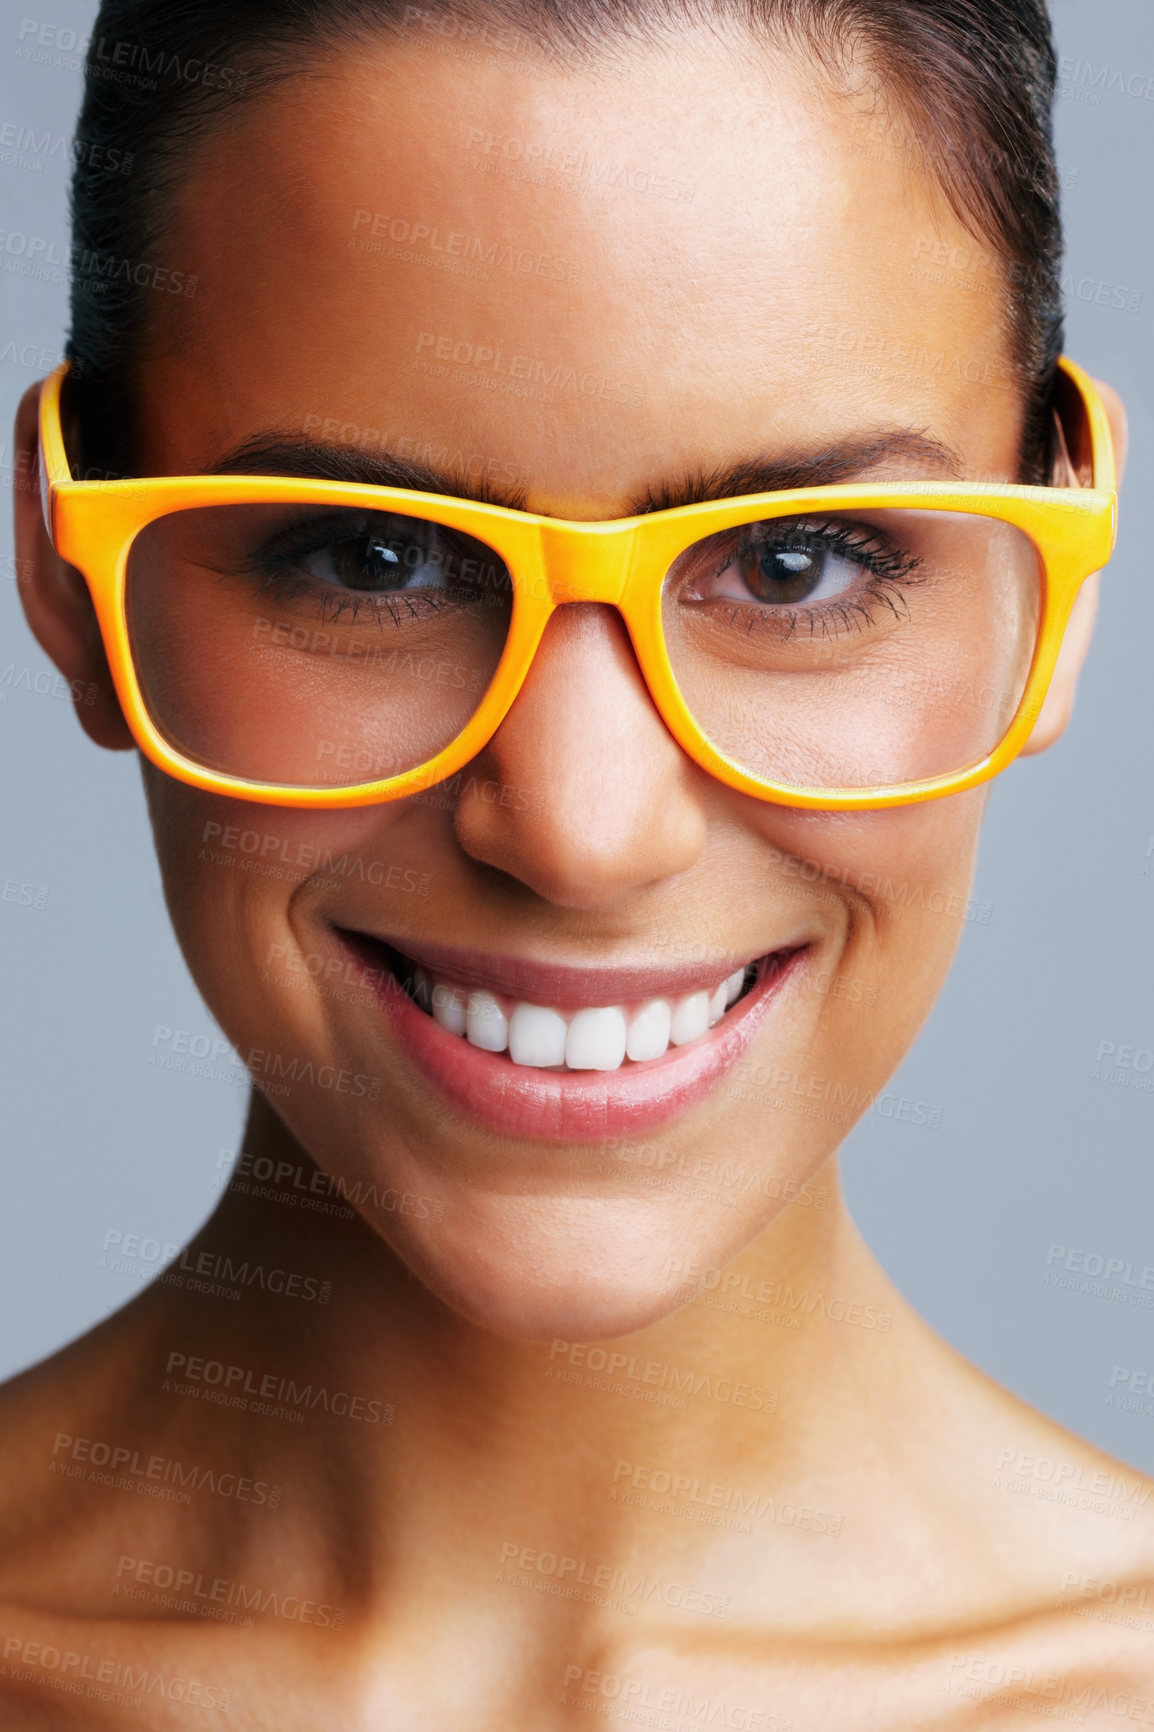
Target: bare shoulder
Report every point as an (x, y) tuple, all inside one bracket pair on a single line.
[(1088, 1516), (141, 1567), (69, 1428), (88, 1509), (89, 1674), (991, 1571), (1055, 1539), (39, 1408), (1012, 1674)]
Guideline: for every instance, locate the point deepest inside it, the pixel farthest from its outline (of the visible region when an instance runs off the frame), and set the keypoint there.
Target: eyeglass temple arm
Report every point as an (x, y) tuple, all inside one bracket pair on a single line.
[(1104, 475), (54, 469)]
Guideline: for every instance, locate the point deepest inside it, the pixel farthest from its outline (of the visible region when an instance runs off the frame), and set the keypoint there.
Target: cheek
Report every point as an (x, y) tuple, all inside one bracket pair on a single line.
[(902, 875), (896, 887), (237, 877)]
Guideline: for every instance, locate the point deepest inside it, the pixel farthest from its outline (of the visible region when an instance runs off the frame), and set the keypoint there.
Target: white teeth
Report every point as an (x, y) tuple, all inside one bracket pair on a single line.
[(486, 1025), (536, 1036), (649, 1031), (596, 1040), (690, 1018), (449, 1007)]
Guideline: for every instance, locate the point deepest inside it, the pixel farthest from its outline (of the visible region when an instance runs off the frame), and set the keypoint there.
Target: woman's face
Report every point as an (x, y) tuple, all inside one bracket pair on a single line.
[(421, 239)]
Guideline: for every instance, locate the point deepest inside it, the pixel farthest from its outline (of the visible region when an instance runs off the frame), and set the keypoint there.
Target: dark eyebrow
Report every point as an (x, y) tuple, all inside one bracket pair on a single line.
[(849, 460), (307, 460)]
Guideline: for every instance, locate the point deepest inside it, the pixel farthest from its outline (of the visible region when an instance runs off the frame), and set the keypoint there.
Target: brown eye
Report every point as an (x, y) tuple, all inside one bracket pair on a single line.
[(788, 574), (392, 557), (382, 554), (368, 563)]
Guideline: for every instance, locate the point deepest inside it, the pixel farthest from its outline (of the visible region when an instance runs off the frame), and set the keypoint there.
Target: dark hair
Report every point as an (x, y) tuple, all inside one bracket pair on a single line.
[(971, 82)]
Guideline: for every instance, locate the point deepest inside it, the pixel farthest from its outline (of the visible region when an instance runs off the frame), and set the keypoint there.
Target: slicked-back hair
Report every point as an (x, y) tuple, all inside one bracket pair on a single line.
[(971, 82)]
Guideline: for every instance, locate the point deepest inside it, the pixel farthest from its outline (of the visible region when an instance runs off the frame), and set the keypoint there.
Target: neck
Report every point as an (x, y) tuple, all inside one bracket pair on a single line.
[(740, 1402)]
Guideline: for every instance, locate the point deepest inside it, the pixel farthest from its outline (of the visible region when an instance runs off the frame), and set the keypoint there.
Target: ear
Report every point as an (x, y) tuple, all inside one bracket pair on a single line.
[(55, 596), (1059, 705)]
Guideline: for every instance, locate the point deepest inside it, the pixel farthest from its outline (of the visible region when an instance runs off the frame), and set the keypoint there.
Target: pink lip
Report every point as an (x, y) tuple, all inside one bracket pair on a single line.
[(577, 1106)]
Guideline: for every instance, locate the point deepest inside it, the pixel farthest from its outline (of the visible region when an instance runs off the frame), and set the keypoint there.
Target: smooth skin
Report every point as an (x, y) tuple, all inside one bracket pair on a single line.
[(737, 320)]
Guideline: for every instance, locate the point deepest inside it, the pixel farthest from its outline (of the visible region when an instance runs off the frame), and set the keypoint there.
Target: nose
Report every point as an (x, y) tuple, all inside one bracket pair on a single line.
[(597, 800)]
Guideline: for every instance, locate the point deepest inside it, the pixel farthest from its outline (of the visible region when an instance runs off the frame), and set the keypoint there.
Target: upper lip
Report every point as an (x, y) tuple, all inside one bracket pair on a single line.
[(563, 984)]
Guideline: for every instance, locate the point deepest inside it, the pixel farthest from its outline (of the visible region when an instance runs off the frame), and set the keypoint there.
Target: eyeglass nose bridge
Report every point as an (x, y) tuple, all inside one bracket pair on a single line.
[(587, 561)]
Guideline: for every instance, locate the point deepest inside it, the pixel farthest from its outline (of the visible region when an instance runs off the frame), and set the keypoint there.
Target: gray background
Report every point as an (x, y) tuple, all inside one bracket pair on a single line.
[(1031, 1150)]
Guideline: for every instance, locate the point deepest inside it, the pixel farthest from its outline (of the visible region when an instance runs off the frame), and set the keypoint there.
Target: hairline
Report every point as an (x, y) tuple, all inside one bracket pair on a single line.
[(839, 48)]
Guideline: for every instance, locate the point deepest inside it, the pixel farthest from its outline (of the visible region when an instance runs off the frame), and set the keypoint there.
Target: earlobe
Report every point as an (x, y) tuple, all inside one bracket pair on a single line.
[(55, 597), (1059, 704)]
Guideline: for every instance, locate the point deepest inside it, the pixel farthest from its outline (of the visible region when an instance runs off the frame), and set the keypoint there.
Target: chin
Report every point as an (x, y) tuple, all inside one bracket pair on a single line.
[(547, 1290), (588, 1312)]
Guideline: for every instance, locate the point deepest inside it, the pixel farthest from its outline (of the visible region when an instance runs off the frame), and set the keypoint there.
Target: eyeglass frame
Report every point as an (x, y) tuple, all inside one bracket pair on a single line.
[(553, 562)]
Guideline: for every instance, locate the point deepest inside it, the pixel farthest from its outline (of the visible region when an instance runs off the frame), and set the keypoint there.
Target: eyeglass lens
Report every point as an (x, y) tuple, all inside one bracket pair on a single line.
[(855, 650), (311, 646)]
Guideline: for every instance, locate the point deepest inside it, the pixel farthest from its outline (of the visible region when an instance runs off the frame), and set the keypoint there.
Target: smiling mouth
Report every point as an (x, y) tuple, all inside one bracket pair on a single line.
[(586, 1037)]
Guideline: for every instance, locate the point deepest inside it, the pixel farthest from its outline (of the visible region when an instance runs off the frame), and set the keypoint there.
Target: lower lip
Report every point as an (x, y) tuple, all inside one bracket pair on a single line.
[(578, 1106)]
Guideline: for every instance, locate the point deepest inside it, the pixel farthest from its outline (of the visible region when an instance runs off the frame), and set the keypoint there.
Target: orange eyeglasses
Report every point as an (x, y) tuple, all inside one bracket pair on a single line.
[(319, 644)]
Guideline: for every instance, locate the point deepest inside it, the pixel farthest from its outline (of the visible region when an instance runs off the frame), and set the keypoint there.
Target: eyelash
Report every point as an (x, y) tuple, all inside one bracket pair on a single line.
[(892, 572), (332, 605), (272, 566), (892, 569)]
